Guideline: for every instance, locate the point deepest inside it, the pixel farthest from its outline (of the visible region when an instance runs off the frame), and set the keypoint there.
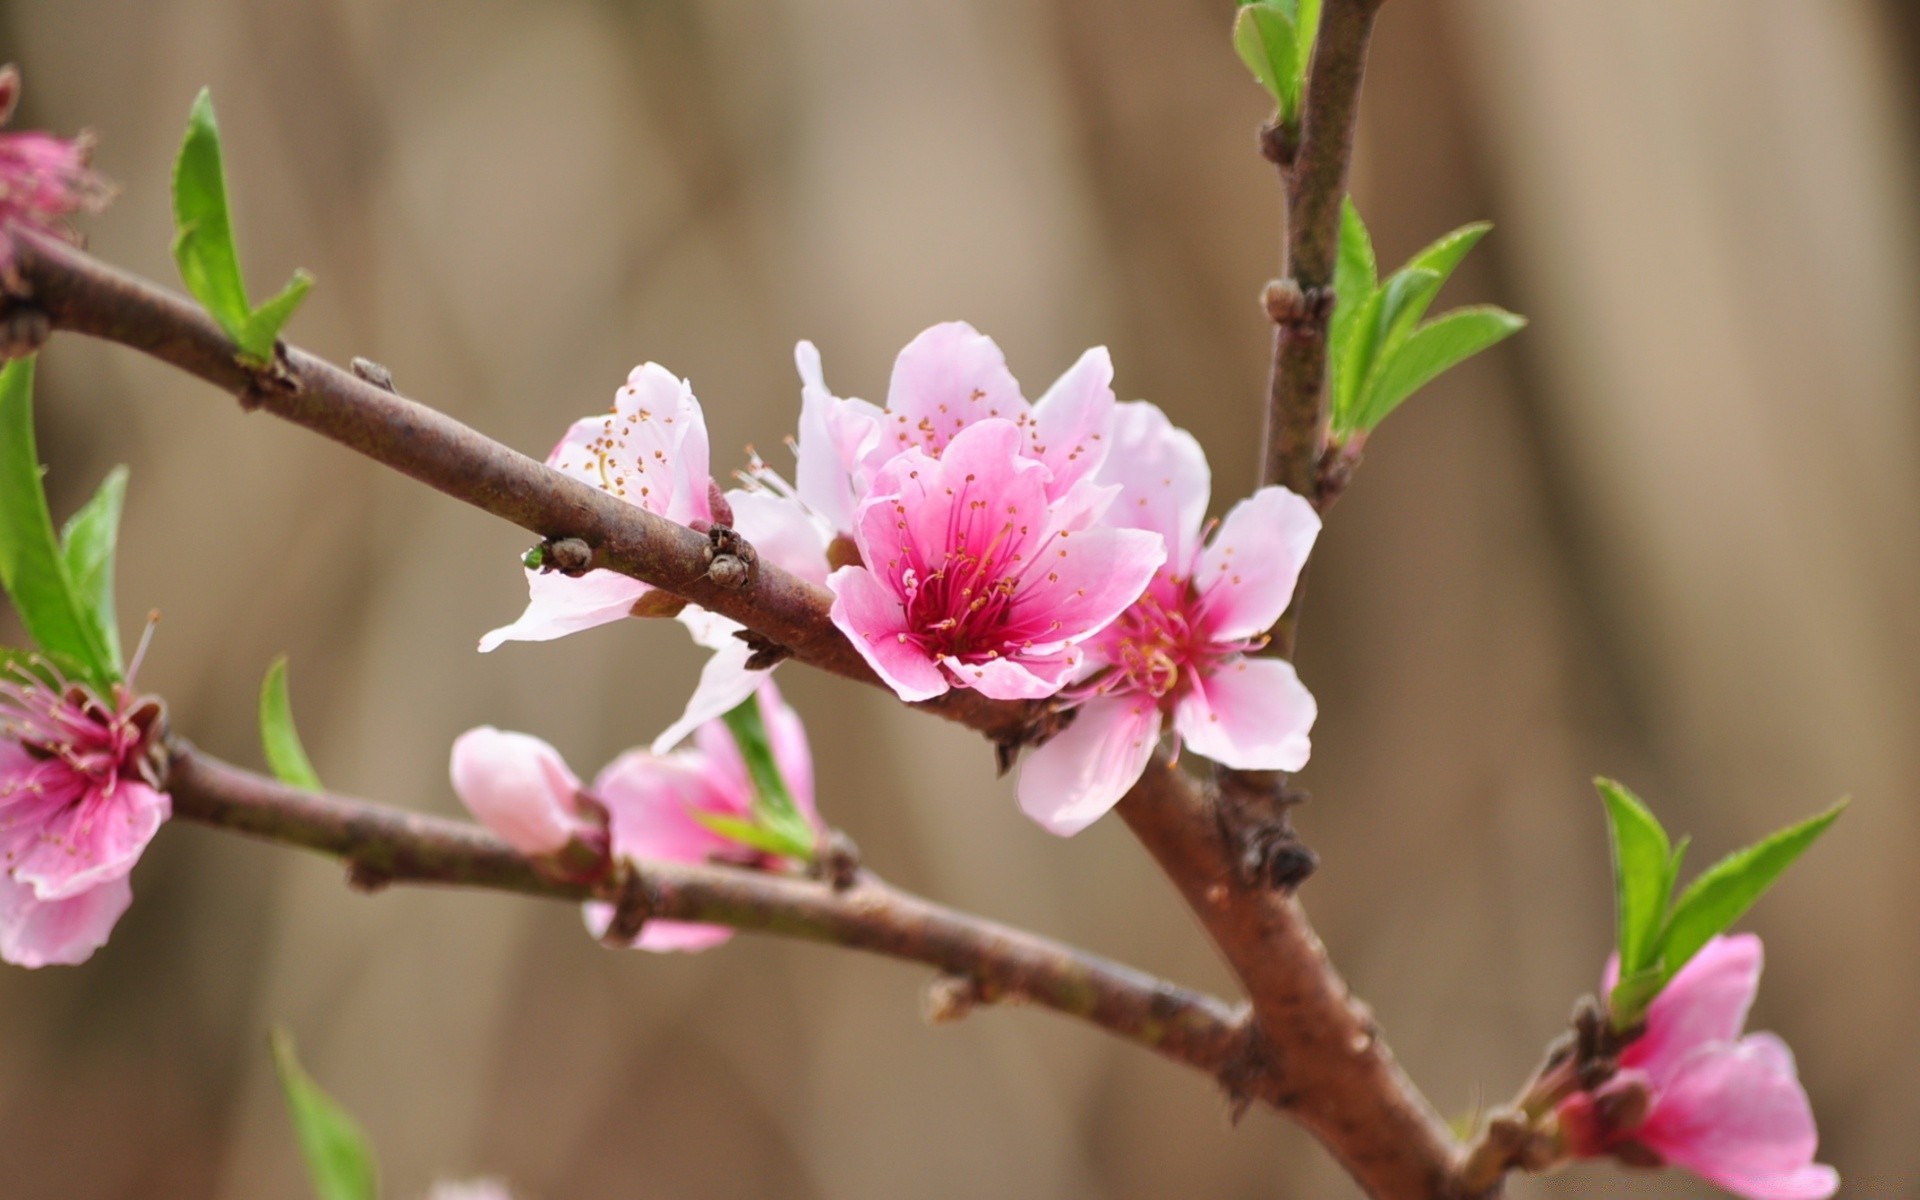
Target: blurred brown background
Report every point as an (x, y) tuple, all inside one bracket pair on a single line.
[(1667, 534)]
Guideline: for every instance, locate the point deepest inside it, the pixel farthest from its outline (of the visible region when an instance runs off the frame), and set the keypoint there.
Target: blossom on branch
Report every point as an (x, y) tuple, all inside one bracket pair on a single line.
[(1694, 1093), (80, 798), (1179, 653), (44, 180), (651, 451), (697, 804), (978, 574)]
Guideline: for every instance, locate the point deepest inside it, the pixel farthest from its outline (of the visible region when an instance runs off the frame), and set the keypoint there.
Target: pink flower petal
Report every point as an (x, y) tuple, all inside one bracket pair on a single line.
[(1069, 782), (1737, 1115), (41, 933), (946, 379), (837, 437), (1164, 480), (95, 840), (791, 752), (1246, 574), (1252, 714), (650, 451), (560, 604), (1706, 1002), (1072, 421), (875, 621), (782, 533), (1081, 581), (1033, 677), (650, 802), (659, 937), (724, 683), (518, 786)]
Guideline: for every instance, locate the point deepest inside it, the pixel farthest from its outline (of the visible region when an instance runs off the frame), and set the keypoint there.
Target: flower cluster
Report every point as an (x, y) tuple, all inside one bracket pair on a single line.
[(1693, 1092), (80, 798), (692, 805), (1046, 550), (44, 180)]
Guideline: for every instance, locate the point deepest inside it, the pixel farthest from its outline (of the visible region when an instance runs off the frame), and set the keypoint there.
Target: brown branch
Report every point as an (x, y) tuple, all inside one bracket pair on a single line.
[(79, 293), (384, 845)]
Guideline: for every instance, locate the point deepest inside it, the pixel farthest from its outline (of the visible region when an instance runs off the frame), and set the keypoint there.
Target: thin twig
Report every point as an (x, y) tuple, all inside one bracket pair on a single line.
[(1004, 964)]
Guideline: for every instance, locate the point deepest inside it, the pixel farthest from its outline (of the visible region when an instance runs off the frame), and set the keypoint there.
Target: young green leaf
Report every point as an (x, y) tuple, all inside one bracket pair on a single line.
[(1642, 883), (285, 755), (774, 809), (33, 569), (1265, 37), (1355, 279), (87, 543), (204, 248), (338, 1159), (1429, 351), (763, 837), (1723, 892)]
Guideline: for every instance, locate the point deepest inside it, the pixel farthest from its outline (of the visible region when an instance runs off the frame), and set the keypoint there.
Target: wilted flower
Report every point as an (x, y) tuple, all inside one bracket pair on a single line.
[(975, 577), (1179, 653), (1692, 1092), (43, 179), (80, 799), (651, 451), (654, 806)]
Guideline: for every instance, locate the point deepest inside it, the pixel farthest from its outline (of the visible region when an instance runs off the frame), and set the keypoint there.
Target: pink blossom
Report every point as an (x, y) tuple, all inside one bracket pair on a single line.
[(472, 1189), (945, 380), (974, 577), (80, 799), (43, 179), (1726, 1107), (1179, 652), (651, 451), (520, 788)]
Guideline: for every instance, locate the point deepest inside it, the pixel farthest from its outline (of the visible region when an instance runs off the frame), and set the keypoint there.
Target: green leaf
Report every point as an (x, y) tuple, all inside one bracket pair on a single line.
[(338, 1159), (1264, 36), (1628, 1002), (1429, 351), (33, 569), (1402, 300), (774, 810), (1355, 280), (1726, 890), (1642, 879), (1444, 255), (278, 738), (1306, 24), (204, 248), (751, 833), (87, 543)]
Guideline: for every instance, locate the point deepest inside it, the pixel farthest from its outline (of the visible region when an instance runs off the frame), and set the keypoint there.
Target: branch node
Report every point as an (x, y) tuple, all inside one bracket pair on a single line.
[(950, 998), (24, 328), (1303, 312), (570, 556), (1279, 144), (767, 653), (369, 371), (1253, 811), (730, 557), (838, 860), (632, 906), (363, 876), (1252, 1064)]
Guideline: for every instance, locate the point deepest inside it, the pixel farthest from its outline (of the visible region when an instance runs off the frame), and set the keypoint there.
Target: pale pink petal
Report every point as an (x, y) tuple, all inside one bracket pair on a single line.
[(874, 620), (1072, 422), (1252, 714), (659, 937), (560, 604), (1737, 1115), (650, 802), (782, 533), (1079, 582), (1705, 1002), (837, 436), (1164, 480), (473, 1189), (1070, 781), (1246, 574), (1033, 677), (40, 933), (946, 379), (980, 493), (791, 753), (518, 786), (92, 841), (724, 684)]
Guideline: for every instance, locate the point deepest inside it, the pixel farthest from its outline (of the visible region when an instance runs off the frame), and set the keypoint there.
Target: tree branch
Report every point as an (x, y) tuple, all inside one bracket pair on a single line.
[(385, 845)]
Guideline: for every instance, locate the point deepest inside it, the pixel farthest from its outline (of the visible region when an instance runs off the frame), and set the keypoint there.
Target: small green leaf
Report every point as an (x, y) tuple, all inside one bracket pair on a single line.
[(774, 810), (1355, 280), (33, 569), (204, 248), (1444, 255), (1405, 296), (285, 755), (751, 833), (1264, 37), (87, 543), (1429, 351), (1630, 997), (338, 1159), (1723, 892), (1642, 883), (1306, 25)]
